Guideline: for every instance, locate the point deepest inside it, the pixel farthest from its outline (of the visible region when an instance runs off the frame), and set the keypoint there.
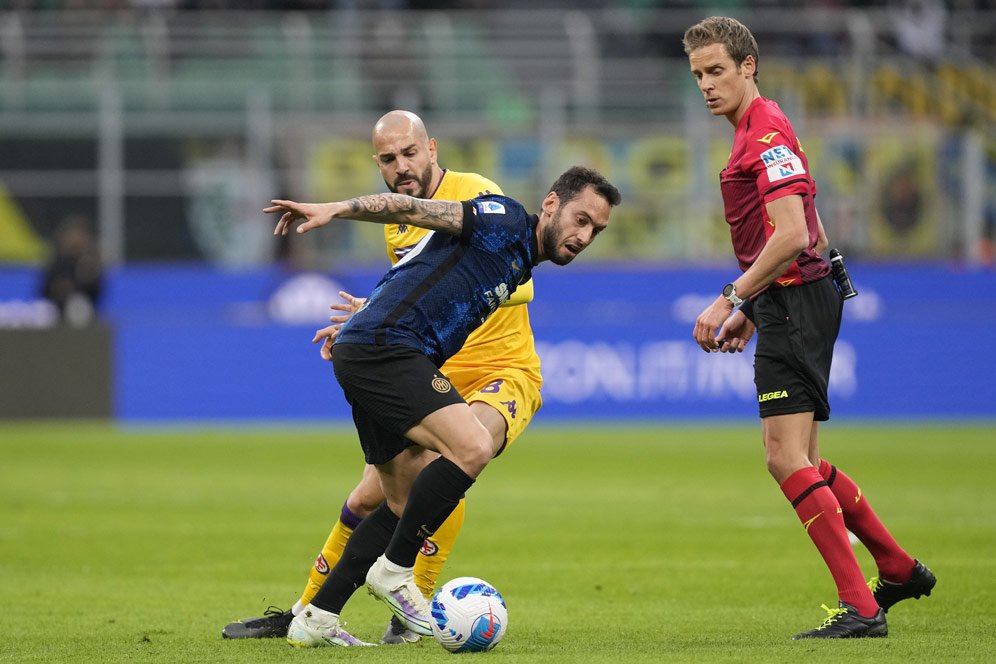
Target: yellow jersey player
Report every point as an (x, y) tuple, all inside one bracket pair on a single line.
[(497, 370)]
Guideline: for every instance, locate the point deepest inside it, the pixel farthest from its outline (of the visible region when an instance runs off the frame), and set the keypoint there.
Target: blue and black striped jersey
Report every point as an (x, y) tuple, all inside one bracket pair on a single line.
[(448, 285)]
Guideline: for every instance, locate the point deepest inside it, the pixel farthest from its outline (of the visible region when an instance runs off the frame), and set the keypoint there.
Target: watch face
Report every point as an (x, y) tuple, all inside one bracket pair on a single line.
[(728, 290)]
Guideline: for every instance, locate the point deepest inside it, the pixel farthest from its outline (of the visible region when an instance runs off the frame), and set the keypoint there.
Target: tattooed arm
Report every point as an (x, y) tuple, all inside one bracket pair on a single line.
[(445, 216)]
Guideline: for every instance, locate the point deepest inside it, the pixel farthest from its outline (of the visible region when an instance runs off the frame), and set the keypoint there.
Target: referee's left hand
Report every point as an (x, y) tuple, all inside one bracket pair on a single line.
[(735, 333)]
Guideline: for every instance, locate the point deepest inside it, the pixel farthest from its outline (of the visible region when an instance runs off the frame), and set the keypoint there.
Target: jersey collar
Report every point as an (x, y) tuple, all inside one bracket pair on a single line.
[(441, 178)]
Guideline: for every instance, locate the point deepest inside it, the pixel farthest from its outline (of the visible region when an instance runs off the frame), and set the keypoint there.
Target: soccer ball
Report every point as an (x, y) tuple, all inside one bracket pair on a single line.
[(468, 615)]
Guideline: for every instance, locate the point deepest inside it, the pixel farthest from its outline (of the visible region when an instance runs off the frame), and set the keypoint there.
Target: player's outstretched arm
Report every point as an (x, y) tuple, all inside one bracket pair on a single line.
[(446, 216)]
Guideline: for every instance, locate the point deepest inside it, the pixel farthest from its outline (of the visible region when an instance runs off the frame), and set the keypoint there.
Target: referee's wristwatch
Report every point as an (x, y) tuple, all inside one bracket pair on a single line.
[(730, 293)]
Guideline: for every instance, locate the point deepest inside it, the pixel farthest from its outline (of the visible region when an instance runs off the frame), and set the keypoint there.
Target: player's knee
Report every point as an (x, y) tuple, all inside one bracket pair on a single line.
[(474, 452), (364, 499), (782, 463), (494, 422), (360, 506), (774, 465)]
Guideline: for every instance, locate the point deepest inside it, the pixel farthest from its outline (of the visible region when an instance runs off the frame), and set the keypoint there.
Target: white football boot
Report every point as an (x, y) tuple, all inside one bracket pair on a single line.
[(315, 627), (397, 589)]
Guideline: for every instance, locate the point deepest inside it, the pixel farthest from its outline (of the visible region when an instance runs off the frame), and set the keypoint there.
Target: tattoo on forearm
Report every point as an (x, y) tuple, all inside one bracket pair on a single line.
[(397, 208)]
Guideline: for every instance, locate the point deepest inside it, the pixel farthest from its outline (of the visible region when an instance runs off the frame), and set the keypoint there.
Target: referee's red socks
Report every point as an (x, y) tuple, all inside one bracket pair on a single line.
[(823, 519), (893, 563)]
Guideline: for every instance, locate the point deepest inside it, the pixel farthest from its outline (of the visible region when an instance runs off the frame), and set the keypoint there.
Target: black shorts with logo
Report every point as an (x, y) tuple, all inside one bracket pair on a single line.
[(796, 330), (390, 388)]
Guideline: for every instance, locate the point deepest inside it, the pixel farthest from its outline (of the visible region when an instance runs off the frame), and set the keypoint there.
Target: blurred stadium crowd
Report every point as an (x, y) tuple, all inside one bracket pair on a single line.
[(139, 141), (322, 5), (166, 123)]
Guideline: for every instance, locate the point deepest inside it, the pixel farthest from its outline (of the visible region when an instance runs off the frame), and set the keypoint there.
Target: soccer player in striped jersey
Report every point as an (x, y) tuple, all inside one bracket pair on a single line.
[(787, 291), (424, 439), (497, 371)]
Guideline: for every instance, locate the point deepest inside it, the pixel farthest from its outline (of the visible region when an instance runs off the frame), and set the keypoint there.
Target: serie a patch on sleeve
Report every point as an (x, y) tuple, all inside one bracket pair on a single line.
[(490, 207), (781, 163)]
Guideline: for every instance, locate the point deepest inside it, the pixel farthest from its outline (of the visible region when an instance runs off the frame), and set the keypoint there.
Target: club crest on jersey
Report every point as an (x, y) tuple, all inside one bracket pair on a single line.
[(491, 207), (429, 548), (781, 163), (321, 566), (441, 385)]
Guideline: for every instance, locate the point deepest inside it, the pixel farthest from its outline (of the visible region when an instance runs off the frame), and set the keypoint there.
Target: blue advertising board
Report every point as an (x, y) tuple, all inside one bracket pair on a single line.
[(615, 342)]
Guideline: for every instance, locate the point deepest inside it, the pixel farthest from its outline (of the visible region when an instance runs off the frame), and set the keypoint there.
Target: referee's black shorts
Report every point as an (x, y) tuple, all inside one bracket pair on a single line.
[(796, 330), (390, 388)]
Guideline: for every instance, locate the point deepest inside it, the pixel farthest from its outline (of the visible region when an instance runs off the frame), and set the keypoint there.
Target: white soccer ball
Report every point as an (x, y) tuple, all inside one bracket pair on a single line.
[(468, 615)]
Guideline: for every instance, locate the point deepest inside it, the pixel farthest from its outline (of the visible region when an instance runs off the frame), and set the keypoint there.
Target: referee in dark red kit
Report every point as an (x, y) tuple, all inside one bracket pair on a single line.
[(787, 292)]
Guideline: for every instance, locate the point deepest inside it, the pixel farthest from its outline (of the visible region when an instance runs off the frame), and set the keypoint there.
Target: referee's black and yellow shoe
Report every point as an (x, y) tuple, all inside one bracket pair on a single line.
[(844, 622), (272, 624), (888, 593)]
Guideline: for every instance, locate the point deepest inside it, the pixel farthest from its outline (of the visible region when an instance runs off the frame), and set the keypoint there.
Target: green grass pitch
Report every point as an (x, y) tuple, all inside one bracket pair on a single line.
[(609, 544)]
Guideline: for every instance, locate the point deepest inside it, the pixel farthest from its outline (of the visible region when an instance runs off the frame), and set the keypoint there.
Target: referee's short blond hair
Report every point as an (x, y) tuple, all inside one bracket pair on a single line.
[(729, 32)]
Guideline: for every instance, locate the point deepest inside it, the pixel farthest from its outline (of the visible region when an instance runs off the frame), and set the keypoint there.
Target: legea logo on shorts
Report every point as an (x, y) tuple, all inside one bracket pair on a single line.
[(441, 385), (768, 396)]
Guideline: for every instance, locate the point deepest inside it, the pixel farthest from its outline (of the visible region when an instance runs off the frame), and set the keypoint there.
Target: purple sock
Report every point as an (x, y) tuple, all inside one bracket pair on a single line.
[(349, 518)]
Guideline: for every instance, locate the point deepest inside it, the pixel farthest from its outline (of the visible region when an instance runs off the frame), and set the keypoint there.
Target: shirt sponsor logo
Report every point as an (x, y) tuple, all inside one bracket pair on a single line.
[(491, 207), (781, 163), (771, 396), (495, 299)]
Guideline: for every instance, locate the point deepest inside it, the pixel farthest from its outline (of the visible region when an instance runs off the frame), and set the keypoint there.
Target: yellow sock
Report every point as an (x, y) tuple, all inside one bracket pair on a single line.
[(328, 558), (437, 549)]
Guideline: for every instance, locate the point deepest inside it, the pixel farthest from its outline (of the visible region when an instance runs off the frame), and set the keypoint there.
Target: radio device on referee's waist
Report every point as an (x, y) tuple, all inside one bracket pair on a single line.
[(840, 275)]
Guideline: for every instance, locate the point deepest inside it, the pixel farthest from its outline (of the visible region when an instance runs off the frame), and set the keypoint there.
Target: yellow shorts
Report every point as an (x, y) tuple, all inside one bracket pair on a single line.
[(511, 392)]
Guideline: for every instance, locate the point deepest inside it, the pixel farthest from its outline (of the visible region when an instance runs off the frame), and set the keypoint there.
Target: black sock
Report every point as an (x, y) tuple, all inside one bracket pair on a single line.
[(367, 542), (434, 495)]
